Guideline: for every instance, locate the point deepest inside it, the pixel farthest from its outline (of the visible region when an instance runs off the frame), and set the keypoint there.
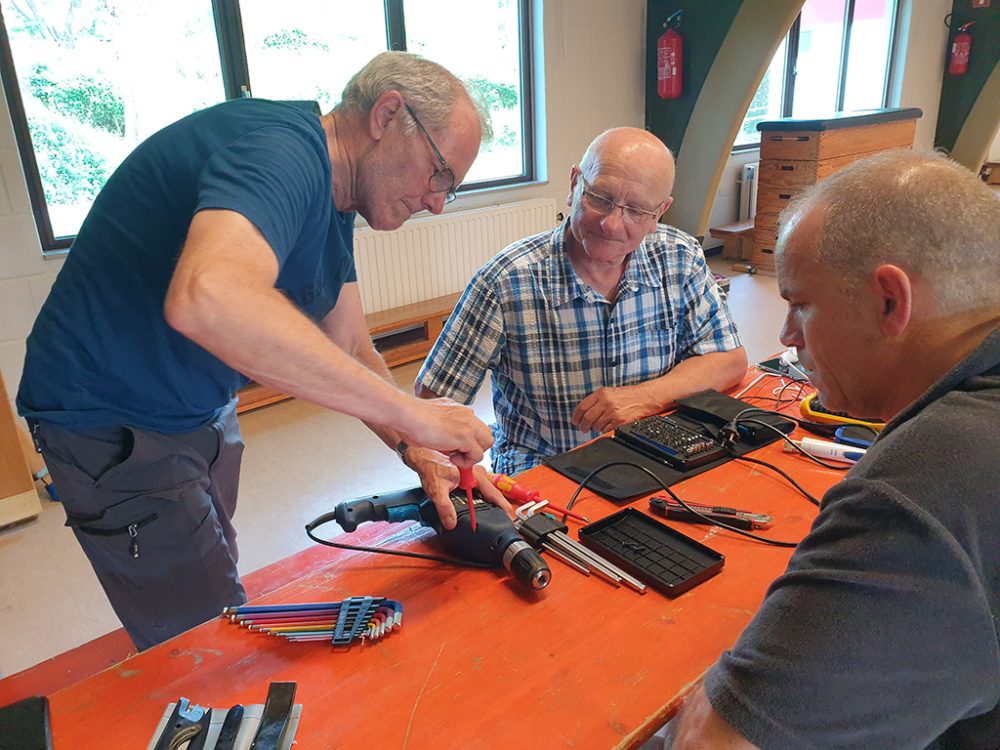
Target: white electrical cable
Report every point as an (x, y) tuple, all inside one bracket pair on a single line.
[(752, 384)]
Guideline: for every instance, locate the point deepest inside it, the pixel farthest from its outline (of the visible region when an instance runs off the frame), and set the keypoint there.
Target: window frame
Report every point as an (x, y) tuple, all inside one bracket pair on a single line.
[(237, 84), (791, 59)]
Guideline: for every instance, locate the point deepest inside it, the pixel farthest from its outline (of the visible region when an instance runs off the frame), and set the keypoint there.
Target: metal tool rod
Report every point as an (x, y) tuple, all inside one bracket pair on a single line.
[(589, 556), (566, 559), (559, 540)]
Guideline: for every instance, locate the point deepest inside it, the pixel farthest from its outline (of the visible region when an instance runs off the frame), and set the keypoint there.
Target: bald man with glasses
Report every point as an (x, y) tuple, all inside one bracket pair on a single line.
[(608, 318)]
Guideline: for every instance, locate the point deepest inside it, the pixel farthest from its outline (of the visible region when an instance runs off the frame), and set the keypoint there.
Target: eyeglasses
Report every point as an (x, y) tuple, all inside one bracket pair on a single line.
[(604, 206), (443, 180)]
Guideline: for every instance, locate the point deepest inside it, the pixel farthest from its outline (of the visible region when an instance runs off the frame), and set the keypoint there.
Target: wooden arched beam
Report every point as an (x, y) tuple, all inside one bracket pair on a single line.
[(972, 146), (733, 79)]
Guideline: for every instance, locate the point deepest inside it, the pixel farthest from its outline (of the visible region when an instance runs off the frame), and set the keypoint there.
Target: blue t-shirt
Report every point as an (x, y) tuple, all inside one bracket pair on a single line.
[(101, 352)]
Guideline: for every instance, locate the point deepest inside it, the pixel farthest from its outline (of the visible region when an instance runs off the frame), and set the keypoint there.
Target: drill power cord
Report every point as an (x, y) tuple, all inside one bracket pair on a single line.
[(327, 517)]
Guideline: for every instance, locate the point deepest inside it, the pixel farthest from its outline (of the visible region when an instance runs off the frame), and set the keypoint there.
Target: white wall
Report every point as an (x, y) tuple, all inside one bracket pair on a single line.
[(995, 148), (25, 277), (594, 72), (920, 69)]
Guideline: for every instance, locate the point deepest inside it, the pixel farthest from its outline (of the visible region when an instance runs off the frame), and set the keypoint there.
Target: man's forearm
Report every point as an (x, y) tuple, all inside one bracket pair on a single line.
[(258, 332), (718, 371), (370, 358)]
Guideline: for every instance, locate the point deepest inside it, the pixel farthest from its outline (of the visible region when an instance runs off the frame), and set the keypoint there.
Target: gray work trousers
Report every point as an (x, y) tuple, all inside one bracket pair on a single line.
[(153, 513)]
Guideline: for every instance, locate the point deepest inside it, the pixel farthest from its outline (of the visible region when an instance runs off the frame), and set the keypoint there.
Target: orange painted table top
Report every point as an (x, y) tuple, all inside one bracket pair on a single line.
[(479, 662)]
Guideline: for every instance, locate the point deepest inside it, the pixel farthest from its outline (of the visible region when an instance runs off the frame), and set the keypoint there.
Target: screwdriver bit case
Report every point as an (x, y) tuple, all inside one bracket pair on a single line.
[(652, 551), (699, 412)]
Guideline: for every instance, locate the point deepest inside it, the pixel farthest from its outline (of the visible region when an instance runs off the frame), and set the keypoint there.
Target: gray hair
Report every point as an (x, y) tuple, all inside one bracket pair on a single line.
[(918, 210), (430, 89)]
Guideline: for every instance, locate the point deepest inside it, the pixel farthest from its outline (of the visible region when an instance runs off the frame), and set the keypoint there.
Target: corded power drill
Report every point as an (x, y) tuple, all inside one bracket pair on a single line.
[(494, 542)]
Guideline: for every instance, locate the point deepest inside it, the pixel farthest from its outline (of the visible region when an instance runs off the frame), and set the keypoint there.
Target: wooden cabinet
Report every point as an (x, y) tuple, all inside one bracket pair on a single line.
[(18, 499), (795, 153)]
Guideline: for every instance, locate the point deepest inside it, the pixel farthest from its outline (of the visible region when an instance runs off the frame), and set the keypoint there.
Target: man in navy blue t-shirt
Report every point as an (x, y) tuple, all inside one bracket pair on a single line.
[(220, 250)]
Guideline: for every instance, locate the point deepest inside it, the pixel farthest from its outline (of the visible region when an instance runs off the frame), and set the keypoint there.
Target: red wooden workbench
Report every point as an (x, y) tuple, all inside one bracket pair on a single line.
[(479, 662)]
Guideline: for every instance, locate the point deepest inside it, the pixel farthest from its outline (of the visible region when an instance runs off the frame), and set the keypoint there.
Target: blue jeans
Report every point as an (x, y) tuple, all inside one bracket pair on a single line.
[(153, 513)]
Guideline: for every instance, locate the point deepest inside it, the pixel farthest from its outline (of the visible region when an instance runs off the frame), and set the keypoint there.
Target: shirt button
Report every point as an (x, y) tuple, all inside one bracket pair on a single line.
[(614, 362)]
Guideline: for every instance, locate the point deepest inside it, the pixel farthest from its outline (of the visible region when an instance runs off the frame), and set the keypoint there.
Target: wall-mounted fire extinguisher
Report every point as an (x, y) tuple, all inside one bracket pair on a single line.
[(961, 46), (670, 58)]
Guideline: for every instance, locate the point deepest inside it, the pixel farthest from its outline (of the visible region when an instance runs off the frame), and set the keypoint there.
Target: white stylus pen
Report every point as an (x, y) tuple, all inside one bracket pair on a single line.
[(833, 451)]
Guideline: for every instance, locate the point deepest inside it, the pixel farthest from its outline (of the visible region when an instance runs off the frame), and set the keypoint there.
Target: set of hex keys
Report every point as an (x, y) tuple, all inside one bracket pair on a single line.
[(542, 531), (358, 618)]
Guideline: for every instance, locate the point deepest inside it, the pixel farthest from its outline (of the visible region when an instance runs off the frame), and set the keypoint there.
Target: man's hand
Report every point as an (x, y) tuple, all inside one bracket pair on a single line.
[(439, 476), (607, 408), (698, 725), (446, 426)]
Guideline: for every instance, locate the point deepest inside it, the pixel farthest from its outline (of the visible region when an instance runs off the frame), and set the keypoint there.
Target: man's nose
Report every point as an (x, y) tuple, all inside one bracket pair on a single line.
[(615, 220), (791, 335), (434, 202)]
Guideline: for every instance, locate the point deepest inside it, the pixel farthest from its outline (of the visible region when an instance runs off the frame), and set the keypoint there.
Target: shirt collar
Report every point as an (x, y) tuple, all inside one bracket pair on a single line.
[(983, 360), (566, 284)]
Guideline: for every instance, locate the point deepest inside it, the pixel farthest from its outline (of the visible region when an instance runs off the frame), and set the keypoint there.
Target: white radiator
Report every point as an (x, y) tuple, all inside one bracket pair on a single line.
[(748, 191), (436, 255)]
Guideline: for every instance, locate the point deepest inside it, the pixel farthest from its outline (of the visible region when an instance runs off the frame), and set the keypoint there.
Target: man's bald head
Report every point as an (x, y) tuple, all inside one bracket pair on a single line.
[(632, 152)]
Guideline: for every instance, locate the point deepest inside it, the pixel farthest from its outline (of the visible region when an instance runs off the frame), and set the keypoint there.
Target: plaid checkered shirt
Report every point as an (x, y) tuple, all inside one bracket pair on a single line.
[(549, 340)]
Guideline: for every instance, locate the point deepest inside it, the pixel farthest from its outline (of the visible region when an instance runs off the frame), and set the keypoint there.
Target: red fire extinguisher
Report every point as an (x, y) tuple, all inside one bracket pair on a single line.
[(669, 58), (961, 45)]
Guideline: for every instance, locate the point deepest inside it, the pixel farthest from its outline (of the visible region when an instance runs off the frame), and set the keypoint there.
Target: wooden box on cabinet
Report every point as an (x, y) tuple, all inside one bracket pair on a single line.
[(795, 153)]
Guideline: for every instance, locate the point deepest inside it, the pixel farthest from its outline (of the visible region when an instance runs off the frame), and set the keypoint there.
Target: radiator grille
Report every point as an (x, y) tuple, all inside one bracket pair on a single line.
[(436, 255), (748, 190)]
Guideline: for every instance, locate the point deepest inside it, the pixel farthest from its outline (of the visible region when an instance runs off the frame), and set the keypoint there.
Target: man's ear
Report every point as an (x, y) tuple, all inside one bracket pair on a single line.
[(574, 175), (666, 205), (388, 107), (894, 292)]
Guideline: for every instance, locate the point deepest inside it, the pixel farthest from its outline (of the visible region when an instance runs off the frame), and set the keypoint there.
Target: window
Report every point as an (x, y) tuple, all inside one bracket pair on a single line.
[(835, 58), (87, 80)]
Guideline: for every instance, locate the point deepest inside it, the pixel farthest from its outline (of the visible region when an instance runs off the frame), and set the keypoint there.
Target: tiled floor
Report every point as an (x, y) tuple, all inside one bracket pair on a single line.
[(300, 460)]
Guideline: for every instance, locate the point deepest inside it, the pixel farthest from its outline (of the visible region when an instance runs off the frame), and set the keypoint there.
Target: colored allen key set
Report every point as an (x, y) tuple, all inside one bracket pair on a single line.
[(359, 618)]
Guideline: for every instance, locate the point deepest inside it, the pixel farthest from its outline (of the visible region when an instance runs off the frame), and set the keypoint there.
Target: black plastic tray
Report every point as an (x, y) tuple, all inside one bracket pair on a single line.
[(652, 551)]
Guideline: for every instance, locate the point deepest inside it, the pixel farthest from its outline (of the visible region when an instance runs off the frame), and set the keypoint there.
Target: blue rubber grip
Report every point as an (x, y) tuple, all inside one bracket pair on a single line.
[(404, 513)]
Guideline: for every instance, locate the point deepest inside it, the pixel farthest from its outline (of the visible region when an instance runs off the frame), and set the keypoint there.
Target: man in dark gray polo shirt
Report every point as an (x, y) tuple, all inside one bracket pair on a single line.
[(882, 633)]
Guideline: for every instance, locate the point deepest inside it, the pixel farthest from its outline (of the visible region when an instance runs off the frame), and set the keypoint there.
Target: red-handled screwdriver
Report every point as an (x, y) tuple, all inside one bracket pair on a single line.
[(466, 481)]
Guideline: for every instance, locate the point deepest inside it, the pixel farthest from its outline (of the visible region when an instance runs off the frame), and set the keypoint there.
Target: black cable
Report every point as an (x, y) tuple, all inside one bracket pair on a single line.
[(711, 521), (796, 485), (399, 553), (739, 419), (786, 386)]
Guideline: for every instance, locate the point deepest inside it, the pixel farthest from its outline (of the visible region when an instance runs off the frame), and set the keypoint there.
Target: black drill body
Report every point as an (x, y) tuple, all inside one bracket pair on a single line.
[(494, 542)]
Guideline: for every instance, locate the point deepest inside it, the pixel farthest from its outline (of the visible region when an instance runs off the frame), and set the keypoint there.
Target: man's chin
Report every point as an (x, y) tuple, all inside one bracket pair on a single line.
[(832, 402), (606, 250), (384, 223)]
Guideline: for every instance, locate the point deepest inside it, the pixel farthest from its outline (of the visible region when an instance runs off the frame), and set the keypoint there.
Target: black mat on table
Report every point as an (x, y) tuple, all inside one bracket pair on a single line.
[(626, 482)]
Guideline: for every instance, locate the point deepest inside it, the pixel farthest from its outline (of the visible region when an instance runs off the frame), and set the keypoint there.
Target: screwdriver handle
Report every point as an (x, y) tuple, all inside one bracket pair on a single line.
[(513, 491)]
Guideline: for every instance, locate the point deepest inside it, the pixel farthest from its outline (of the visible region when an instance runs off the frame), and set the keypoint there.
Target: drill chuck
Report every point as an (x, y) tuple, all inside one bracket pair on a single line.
[(526, 565)]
